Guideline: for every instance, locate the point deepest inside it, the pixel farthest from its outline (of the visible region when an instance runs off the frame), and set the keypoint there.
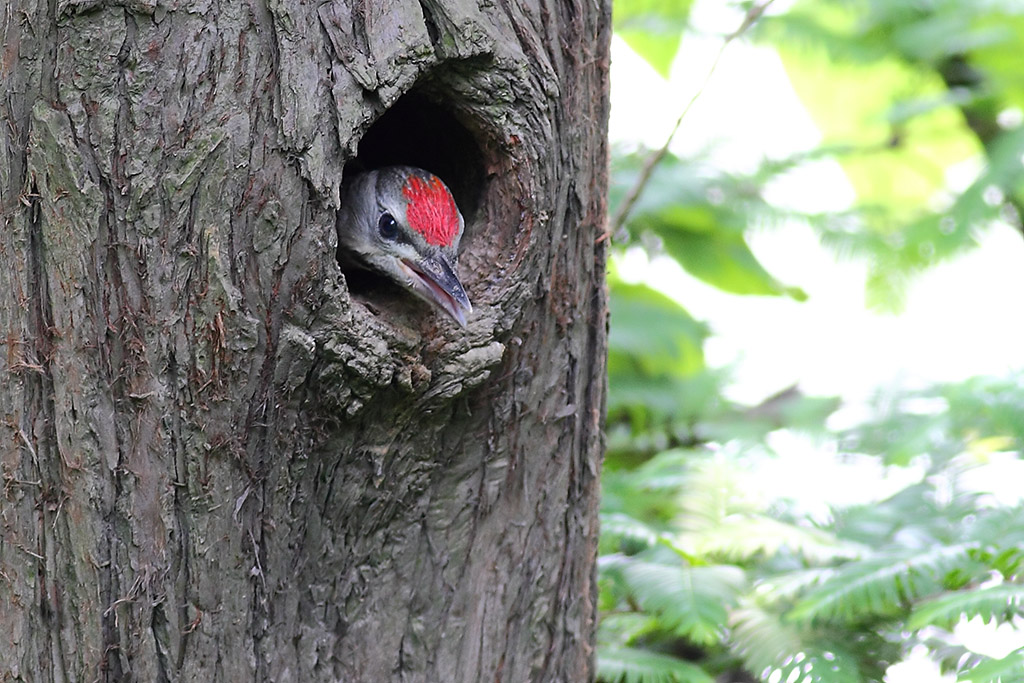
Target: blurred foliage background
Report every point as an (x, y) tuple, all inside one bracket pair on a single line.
[(702, 580)]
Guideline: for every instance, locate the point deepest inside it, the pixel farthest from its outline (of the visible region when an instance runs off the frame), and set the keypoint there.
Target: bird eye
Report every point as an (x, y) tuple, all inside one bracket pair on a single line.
[(387, 226)]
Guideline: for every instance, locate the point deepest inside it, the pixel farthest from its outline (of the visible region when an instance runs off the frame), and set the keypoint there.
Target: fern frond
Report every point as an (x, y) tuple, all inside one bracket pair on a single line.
[(622, 628), (740, 537), (1008, 561), (762, 640), (1001, 602), (882, 586), (1000, 527), (692, 602), (788, 586), (618, 526), (1009, 669), (714, 491), (671, 469), (777, 651), (622, 664)]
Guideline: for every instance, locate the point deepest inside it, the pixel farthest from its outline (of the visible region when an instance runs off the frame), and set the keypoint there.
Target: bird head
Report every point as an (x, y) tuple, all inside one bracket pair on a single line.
[(403, 222)]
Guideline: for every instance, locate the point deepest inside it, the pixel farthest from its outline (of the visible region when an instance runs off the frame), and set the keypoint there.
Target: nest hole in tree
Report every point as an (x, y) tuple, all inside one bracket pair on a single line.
[(418, 130)]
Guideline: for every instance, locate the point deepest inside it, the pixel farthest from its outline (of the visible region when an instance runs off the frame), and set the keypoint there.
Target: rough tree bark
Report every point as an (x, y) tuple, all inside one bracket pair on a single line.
[(226, 459)]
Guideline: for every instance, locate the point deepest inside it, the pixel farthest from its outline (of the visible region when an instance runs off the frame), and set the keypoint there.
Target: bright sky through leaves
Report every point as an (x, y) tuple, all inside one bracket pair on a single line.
[(959, 319)]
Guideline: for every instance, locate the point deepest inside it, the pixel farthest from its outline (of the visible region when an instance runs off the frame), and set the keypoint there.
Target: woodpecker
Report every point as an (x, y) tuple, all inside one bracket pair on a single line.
[(403, 222)]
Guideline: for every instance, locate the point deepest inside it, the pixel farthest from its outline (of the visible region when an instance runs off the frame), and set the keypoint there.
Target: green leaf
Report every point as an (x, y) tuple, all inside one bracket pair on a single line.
[(658, 48), (700, 217), (623, 664), (653, 28), (762, 640), (618, 529), (1005, 670), (999, 60), (881, 586), (689, 601), (710, 245), (675, 182), (741, 537), (668, 470), (785, 587), (1001, 602), (788, 409), (933, 36), (778, 651), (623, 628), (685, 399), (652, 333), (898, 165), (722, 258)]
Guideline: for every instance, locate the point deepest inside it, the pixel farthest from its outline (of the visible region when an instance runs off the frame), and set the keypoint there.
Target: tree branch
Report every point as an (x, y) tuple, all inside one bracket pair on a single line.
[(619, 219)]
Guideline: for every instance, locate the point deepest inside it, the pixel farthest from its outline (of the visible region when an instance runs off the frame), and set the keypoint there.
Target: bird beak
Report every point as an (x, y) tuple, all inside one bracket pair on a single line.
[(433, 279)]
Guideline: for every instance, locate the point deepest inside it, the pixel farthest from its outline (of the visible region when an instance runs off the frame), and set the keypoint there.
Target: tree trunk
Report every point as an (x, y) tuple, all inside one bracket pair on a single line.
[(224, 457)]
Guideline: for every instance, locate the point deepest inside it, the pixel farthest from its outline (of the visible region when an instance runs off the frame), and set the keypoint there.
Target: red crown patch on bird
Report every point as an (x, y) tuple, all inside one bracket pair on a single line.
[(431, 211)]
